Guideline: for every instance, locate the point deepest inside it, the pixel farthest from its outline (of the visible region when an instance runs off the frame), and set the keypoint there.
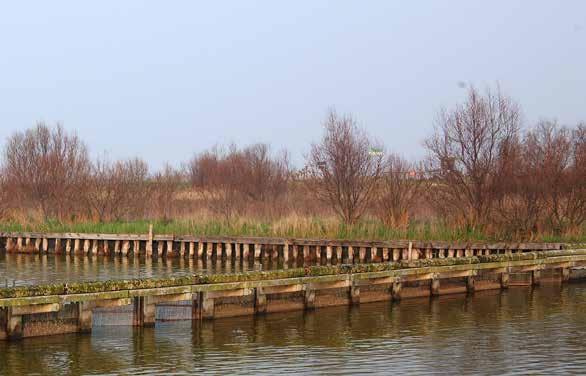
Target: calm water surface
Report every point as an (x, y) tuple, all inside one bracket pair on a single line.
[(23, 269), (521, 331)]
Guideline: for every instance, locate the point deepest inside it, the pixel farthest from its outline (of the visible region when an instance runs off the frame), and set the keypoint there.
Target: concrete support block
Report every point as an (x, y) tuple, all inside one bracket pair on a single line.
[(309, 299), (286, 251), (68, 246), (396, 290), (536, 277), (260, 301), (86, 246), (45, 245), (470, 284), (354, 294), (14, 326), (207, 306), (84, 317), (257, 251), (435, 286), (143, 311), (169, 247), (94, 247), (565, 274), (136, 248), (504, 280)]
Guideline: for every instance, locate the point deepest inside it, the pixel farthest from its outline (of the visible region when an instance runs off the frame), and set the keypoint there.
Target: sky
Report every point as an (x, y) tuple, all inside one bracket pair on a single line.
[(166, 79)]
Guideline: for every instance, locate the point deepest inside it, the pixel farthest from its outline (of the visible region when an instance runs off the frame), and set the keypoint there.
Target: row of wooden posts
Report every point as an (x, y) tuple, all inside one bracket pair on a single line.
[(247, 248)]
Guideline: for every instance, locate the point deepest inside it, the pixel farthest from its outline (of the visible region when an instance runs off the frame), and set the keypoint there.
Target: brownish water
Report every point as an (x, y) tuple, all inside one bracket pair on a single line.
[(27, 269), (519, 331)]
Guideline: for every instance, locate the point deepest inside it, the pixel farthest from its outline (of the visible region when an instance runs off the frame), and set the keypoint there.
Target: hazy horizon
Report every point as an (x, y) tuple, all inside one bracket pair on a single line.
[(163, 81)]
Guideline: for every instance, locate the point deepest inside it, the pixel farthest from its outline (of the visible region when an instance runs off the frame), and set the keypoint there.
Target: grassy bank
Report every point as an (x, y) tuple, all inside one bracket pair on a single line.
[(292, 227)]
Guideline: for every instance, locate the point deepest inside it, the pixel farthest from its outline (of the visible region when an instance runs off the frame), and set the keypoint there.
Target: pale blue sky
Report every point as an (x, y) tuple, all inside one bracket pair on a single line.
[(165, 79)]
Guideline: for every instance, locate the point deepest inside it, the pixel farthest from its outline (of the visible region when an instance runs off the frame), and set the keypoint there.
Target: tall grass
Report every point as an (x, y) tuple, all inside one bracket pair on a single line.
[(292, 227)]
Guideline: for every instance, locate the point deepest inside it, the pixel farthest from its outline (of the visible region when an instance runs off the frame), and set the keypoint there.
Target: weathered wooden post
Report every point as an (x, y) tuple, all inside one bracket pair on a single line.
[(125, 247), (339, 252), (229, 251), (329, 253), (94, 247), (182, 249), (286, 252), (191, 249), (149, 243)]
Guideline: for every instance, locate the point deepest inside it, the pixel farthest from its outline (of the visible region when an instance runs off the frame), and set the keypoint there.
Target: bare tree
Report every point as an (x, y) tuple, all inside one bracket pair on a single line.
[(465, 149), (118, 190), (165, 185), (400, 187), (47, 167), (345, 167)]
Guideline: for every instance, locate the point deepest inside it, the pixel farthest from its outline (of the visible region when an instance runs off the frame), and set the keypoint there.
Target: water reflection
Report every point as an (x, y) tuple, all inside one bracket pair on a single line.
[(519, 331), (28, 269)]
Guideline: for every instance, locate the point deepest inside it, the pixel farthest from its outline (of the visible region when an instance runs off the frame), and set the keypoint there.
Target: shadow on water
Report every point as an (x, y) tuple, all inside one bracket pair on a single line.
[(522, 330)]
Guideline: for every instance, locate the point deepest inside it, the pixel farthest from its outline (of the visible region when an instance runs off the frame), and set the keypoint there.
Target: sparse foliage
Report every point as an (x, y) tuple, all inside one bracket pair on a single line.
[(465, 151), (343, 171)]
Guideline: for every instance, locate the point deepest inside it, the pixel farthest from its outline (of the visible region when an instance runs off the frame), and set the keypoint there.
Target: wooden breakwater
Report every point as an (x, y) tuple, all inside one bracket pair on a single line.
[(64, 308), (319, 251)]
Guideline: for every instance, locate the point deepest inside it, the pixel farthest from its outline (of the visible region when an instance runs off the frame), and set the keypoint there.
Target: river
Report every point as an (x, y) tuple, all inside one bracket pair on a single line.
[(517, 331)]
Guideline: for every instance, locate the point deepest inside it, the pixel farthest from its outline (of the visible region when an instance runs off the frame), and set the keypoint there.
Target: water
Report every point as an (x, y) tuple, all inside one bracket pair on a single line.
[(28, 269), (519, 331)]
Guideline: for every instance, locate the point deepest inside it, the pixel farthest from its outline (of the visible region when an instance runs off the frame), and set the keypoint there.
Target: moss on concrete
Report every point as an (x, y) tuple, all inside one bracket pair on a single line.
[(310, 271)]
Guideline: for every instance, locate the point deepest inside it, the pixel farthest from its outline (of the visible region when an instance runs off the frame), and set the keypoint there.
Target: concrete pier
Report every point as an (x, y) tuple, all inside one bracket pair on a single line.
[(66, 308)]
